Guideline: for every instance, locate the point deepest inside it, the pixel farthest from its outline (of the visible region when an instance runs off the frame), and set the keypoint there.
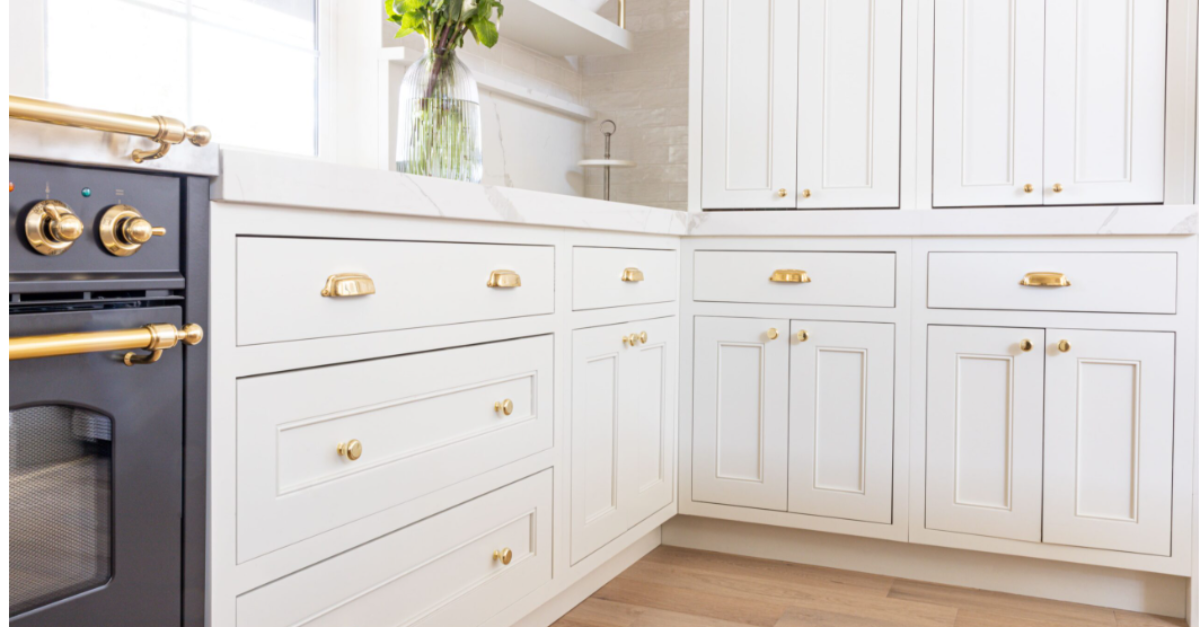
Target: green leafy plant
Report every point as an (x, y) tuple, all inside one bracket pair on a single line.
[(444, 23)]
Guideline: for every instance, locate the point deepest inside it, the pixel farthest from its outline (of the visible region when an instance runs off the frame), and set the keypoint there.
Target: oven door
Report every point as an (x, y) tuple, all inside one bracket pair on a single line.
[(95, 485)]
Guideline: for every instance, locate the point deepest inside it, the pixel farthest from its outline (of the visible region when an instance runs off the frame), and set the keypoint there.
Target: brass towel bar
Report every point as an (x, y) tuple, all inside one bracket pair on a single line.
[(164, 130), (153, 337)]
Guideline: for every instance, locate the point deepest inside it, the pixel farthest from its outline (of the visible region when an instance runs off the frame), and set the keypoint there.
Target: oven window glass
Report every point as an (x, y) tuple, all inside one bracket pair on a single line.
[(60, 504)]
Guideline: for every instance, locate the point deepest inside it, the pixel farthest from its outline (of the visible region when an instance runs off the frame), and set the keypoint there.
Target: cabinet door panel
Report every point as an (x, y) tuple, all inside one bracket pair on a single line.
[(987, 130), (849, 108), (749, 104), (740, 413), (841, 420), (984, 432), (1105, 101), (1109, 426), (648, 428)]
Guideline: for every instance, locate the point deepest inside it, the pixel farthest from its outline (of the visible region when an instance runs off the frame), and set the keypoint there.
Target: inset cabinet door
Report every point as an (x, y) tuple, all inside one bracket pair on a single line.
[(841, 419), (1105, 101), (1109, 442), (740, 423), (749, 104), (849, 116), (622, 428), (983, 450)]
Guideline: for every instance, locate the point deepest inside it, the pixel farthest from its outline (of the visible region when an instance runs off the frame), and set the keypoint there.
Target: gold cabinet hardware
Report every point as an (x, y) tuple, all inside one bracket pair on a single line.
[(632, 275), (152, 337), (51, 227), (1064, 346), (1045, 279), (628, 340), (644, 337), (123, 230), (782, 193), (621, 13), (806, 193), (348, 285), (504, 556), (1028, 188), (351, 450), (1026, 345), (790, 276), (505, 407), (772, 333), (1057, 188), (802, 335), (166, 131), (504, 279)]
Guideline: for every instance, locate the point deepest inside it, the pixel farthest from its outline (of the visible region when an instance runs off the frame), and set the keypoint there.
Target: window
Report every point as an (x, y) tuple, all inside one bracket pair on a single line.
[(248, 69)]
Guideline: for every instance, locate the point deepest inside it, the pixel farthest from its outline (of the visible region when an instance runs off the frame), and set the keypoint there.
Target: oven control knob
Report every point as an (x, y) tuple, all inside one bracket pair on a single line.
[(51, 227), (123, 230)]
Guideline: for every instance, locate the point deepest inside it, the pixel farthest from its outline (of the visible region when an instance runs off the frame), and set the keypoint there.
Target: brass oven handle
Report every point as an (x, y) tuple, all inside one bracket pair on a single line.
[(632, 275), (153, 337), (504, 279), (1046, 279), (790, 276), (348, 285)]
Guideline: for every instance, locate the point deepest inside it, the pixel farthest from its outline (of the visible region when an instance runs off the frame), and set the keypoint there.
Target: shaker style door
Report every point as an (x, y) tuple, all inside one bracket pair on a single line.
[(1109, 426), (984, 431), (1105, 101), (648, 427), (740, 428), (849, 104), (841, 419), (987, 129), (749, 104)]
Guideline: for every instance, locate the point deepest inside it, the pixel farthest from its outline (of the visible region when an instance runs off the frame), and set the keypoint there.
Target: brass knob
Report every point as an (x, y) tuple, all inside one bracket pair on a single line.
[(1028, 188), (51, 227), (505, 406), (351, 450), (806, 193), (628, 340), (504, 556), (123, 230), (1064, 346), (783, 193), (1026, 345), (139, 230), (644, 337), (802, 335), (1057, 188), (772, 333)]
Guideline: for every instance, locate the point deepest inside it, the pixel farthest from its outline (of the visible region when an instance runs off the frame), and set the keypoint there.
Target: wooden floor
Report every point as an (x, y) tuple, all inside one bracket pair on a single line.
[(674, 587)]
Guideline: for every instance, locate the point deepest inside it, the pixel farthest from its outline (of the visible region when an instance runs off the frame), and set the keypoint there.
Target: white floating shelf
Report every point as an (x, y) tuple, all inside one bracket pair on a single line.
[(525, 94), (562, 28)]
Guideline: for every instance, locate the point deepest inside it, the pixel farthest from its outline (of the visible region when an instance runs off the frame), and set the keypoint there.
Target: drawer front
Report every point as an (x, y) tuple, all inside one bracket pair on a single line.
[(417, 284), (852, 279), (600, 279), (437, 572), (1114, 282), (423, 422)]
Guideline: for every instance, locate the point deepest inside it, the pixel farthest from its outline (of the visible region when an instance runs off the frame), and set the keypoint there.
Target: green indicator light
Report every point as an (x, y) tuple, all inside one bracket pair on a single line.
[(87, 191)]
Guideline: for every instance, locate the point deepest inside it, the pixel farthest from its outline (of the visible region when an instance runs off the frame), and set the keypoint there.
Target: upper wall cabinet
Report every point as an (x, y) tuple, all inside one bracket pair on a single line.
[(1055, 102), (801, 104)]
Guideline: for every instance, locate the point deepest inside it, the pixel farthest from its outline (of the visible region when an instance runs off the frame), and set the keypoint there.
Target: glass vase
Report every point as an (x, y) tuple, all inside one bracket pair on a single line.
[(438, 130)]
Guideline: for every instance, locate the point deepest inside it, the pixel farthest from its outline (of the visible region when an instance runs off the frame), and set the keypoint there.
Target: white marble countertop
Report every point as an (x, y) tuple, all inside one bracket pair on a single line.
[(272, 179)]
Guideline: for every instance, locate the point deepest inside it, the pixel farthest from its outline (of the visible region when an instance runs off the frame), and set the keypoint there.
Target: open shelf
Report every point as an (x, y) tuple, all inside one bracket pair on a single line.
[(562, 28)]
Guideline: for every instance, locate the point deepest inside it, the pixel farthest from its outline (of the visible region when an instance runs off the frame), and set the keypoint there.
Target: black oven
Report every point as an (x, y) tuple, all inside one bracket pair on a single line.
[(107, 397)]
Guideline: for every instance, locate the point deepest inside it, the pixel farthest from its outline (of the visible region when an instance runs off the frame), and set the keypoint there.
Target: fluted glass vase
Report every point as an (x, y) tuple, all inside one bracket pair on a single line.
[(439, 125)]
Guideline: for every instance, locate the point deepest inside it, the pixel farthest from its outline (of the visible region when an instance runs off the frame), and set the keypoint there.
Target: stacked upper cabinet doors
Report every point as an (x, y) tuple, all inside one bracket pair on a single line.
[(801, 104), (1054, 102)]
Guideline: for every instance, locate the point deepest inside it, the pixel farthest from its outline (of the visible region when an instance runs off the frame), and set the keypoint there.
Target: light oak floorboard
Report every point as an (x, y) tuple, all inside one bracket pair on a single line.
[(673, 587)]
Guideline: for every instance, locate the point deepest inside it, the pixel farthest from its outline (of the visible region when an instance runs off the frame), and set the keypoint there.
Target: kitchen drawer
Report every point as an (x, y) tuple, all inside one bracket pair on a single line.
[(417, 284), (851, 279), (423, 422), (1125, 282), (437, 572), (600, 279)]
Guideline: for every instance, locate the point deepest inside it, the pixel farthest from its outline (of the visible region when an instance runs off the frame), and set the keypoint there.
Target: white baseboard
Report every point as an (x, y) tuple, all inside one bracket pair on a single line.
[(1164, 595)]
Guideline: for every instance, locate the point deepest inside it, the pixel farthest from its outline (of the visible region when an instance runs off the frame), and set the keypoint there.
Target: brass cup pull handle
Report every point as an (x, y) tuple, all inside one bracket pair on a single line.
[(1045, 279), (504, 407), (351, 450), (790, 276), (504, 279), (348, 285), (802, 335), (632, 275), (123, 230), (772, 333), (504, 556), (1026, 345), (1064, 346)]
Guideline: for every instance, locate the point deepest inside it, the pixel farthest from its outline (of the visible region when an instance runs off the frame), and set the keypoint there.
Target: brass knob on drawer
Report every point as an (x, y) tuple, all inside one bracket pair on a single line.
[(772, 333), (123, 230), (1064, 346), (51, 227), (348, 285), (632, 275), (628, 340), (504, 556), (644, 337), (1026, 345), (806, 193), (1057, 188), (782, 193), (505, 407), (802, 335), (351, 450), (1028, 188), (504, 279)]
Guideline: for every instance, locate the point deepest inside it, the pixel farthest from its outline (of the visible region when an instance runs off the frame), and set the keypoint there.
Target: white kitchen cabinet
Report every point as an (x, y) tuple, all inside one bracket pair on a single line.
[(622, 428), (841, 413), (740, 423), (848, 150), (1109, 423), (984, 431), (749, 100)]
